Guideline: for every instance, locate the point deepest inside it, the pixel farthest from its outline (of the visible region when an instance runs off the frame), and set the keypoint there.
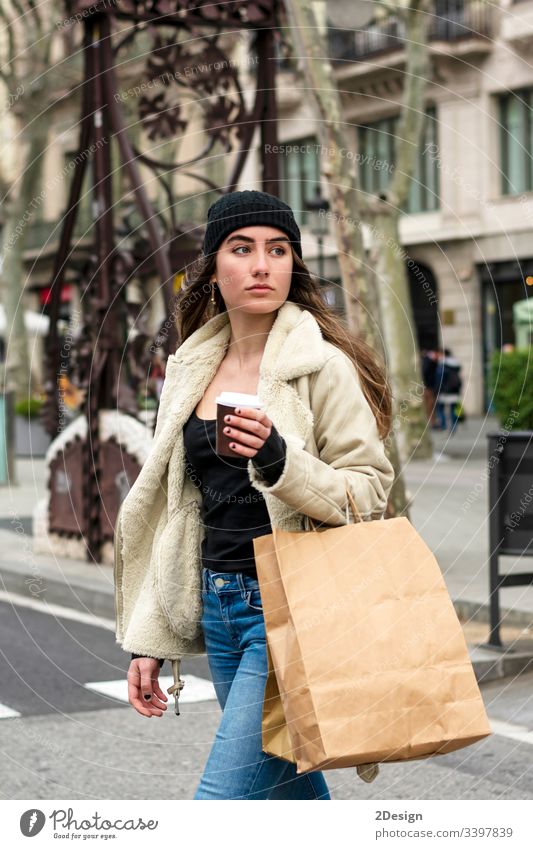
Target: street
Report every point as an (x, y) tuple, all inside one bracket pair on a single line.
[(66, 730)]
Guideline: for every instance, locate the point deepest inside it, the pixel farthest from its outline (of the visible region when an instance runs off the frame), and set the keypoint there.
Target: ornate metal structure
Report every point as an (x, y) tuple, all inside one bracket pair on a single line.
[(183, 36)]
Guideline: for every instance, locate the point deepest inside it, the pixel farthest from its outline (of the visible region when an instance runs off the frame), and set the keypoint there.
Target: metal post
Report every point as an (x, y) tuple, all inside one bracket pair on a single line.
[(269, 118), (320, 258), (160, 250), (494, 546), (102, 212), (7, 467), (50, 414)]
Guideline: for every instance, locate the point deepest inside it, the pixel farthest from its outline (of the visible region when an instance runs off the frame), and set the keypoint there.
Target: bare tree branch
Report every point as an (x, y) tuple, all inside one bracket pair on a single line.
[(412, 115), (392, 8), (37, 17), (10, 40)]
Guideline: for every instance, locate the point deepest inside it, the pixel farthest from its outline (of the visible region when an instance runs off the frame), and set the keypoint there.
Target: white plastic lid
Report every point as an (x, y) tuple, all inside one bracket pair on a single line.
[(231, 399)]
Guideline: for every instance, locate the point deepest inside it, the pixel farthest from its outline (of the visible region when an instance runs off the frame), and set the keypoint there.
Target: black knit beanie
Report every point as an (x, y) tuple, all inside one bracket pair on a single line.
[(246, 209)]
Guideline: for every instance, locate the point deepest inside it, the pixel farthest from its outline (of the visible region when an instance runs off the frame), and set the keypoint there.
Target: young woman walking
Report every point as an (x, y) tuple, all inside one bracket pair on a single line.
[(252, 320)]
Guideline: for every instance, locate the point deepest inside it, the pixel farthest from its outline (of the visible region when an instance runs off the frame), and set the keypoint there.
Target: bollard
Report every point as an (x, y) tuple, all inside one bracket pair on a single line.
[(6, 438)]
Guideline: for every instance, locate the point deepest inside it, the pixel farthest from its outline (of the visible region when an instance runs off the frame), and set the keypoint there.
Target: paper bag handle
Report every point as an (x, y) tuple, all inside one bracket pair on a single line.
[(353, 505)]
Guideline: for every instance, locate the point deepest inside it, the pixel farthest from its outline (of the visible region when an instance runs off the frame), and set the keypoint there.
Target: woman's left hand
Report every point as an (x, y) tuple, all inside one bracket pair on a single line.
[(248, 430)]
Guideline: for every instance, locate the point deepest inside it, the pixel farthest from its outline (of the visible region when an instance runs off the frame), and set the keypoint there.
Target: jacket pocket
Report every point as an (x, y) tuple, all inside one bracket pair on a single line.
[(178, 573), (253, 600)]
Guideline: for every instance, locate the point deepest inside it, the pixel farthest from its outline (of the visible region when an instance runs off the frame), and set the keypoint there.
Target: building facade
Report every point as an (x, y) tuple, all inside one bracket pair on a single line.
[(466, 229), (467, 226)]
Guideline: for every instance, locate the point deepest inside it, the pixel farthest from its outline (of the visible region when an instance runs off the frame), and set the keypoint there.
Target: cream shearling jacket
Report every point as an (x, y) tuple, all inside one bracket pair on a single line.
[(311, 393)]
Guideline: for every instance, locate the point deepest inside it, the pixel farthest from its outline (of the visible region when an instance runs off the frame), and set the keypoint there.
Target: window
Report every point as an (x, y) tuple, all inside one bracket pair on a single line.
[(516, 130), (299, 171), (377, 156)]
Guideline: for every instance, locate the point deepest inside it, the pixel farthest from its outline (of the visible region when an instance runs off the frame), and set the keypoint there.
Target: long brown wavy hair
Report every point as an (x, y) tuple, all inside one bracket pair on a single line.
[(193, 308)]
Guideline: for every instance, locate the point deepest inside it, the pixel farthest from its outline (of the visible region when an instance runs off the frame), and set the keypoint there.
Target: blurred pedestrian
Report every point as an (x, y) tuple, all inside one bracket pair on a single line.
[(448, 385), (157, 374), (429, 369)]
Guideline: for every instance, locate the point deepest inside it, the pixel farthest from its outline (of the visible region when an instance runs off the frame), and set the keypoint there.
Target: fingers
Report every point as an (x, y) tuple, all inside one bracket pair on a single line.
[(249, 433), (245, 439), (144, 692), (253, 421), (159, 695), (134, 681)]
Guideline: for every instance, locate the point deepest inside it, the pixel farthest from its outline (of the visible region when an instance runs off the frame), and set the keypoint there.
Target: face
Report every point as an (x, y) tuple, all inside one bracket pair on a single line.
[(254, 256)]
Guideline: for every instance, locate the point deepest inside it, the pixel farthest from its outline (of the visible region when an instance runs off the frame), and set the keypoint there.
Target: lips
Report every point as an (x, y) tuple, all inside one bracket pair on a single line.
[(261, 288)]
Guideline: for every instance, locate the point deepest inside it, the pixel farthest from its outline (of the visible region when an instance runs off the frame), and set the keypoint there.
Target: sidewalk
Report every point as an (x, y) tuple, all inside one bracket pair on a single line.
[(449, 509), (450, 504)]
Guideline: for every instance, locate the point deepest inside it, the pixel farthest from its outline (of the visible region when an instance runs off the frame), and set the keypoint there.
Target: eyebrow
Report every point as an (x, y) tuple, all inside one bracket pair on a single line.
[(248, 239)]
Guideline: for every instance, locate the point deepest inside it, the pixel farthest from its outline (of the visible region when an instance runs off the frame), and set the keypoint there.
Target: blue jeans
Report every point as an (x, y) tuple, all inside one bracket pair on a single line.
[(443, 410), (234, 630)]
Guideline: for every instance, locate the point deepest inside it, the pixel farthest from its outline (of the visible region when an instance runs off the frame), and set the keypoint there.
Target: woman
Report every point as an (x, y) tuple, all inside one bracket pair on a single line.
[(185, 572)]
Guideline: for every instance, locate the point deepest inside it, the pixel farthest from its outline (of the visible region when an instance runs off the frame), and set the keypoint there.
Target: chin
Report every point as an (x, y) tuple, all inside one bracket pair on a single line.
[(263, 304)]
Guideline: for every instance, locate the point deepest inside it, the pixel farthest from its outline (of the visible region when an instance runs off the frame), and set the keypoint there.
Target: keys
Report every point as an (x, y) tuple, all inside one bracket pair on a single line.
[(177, 686)]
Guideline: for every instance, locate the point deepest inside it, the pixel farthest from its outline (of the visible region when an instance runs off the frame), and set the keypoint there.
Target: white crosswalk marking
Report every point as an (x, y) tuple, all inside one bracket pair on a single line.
[(195, 689), (514, 732), (7, 712)]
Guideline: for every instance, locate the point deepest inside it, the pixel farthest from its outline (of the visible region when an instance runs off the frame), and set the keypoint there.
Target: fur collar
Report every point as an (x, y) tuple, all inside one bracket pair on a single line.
[(294, 346)]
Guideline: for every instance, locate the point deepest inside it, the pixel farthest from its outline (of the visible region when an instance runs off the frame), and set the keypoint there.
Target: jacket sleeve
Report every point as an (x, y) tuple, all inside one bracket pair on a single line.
[(351, 452), (270, 459), (160, 659)]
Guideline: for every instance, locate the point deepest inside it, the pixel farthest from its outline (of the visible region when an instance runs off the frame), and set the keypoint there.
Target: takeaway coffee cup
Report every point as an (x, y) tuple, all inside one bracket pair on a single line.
[(226, 403)]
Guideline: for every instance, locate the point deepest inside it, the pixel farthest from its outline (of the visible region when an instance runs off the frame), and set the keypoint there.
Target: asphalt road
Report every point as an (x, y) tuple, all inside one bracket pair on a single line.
[(62, 739), (47, 661)]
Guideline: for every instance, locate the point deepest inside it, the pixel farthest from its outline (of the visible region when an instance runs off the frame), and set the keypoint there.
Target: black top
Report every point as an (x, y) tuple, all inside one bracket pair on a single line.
[(233, 512)]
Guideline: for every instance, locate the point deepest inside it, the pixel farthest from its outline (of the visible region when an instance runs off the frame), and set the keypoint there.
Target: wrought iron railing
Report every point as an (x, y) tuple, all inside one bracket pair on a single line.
[(454, 20)]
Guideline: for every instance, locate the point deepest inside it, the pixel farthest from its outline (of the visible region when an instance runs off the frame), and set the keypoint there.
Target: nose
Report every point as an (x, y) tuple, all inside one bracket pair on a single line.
[(260, 261)]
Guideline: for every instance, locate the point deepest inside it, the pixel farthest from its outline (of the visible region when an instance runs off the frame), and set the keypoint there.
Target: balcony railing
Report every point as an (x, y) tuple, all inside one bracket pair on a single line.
[(455, 20), (42, 234)]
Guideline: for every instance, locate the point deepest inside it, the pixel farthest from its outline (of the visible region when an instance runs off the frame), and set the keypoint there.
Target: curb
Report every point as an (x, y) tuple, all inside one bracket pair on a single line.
[(64, 586), (492, 665), (480, 612)]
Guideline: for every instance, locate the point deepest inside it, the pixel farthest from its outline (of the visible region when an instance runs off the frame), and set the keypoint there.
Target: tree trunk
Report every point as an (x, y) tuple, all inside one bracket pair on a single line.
[(362, 306), (391, 319), (388, 257), (388, 260), (338, 169), (19, 213)]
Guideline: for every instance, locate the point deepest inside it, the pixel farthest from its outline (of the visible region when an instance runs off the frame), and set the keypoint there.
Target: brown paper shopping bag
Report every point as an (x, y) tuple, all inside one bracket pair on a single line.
[(367, 658)]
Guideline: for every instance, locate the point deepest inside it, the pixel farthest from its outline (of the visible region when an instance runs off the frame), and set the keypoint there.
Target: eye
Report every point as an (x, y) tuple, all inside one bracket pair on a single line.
[(246, 248)]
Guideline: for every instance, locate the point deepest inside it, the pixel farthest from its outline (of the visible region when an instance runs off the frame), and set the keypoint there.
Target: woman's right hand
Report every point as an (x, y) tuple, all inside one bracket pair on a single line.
[(144, 692)]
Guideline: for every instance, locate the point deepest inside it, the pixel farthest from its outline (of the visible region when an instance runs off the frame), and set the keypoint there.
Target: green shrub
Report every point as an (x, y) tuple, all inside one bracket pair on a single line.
[(28, 407), (511, 382), (146, 402)]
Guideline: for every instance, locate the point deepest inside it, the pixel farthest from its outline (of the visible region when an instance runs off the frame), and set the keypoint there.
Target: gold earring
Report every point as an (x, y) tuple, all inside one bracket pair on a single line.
[(213, 293)]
